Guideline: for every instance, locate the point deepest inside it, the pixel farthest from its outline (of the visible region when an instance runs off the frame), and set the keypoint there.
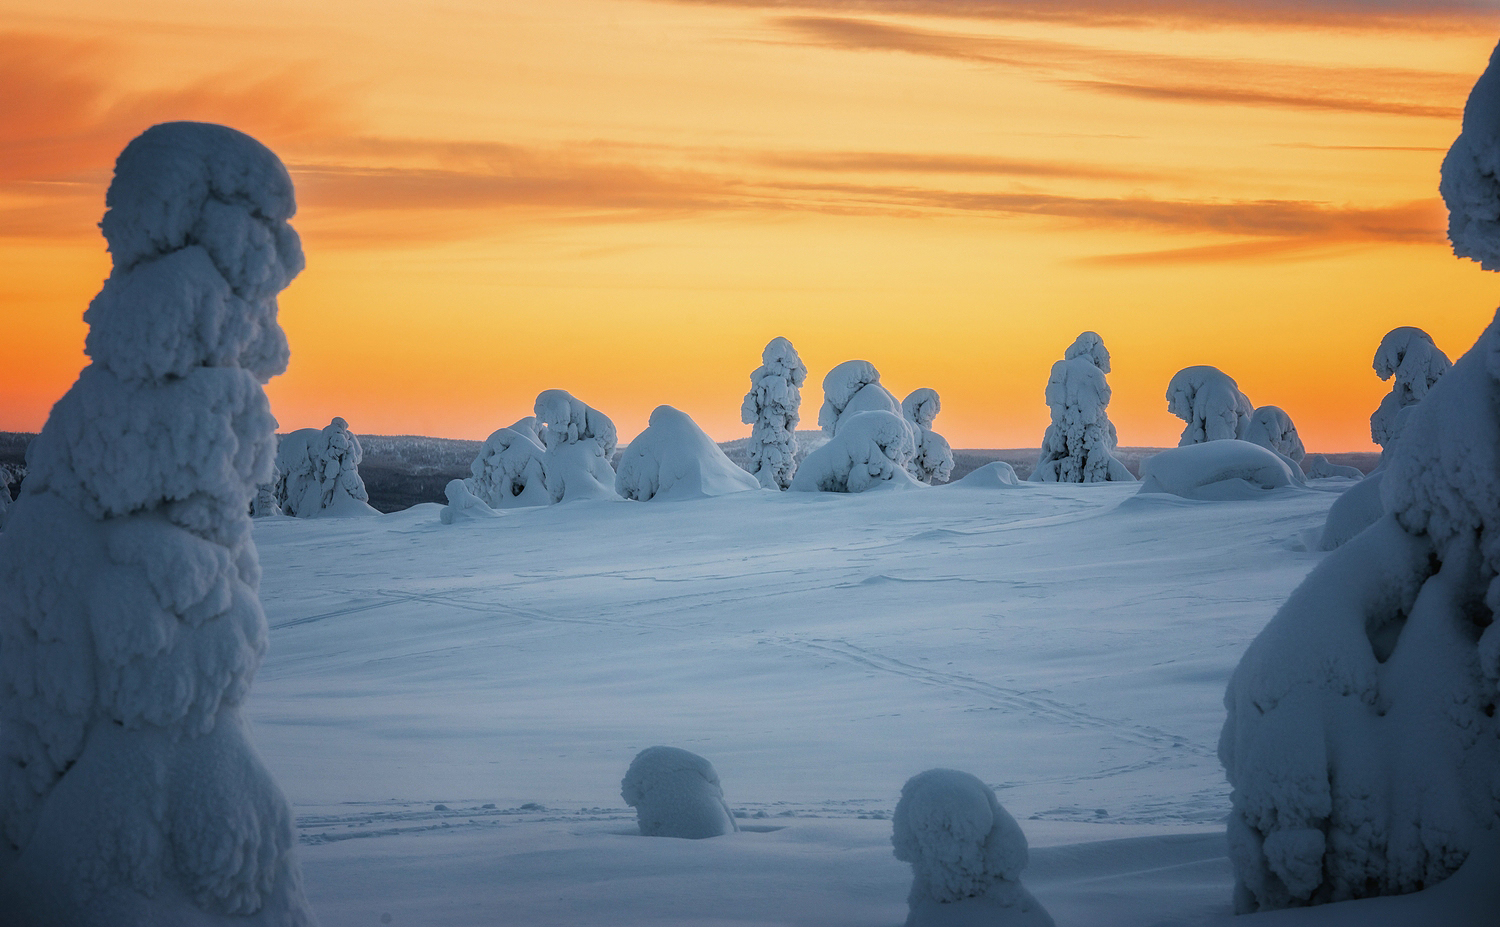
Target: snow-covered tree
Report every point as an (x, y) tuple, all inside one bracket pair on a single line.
[(1272, 429), (1409, 358), (508, 468), (966, 854), (130, 624), (1079, 445), (463, 504), (870, 451), (773, 407), (317, 473), (579, 442), (6, 478), (933, 460), (1470, 182), (265, 503), (853, 387), (1210, 402), (676, 794), (674, 459)]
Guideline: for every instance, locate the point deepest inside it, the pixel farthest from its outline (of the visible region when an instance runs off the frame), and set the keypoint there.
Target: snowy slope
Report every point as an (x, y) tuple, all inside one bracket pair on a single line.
[(1069, 645)]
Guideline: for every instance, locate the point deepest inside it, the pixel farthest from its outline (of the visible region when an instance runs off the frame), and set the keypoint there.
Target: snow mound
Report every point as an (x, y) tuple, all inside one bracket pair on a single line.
[(463, 504), (1216, 471), (1470, 182), (130, 622), (1361, 739), (1210, 402), (933, 460), (579, 442), (850, 388), (966, 853), (1318, 467), (507, 471), (994, 475), (674, 459), (1356, 509), (1078, 447), (871, 450), (676, 794), (1409, 358), (773, 407)]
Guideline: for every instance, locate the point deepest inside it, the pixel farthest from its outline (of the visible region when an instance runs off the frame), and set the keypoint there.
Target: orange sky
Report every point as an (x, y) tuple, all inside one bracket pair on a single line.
[(628, 198)]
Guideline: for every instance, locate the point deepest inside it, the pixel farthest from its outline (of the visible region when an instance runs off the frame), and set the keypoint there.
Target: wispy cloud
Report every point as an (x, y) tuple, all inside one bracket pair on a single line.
[(1170, 78)]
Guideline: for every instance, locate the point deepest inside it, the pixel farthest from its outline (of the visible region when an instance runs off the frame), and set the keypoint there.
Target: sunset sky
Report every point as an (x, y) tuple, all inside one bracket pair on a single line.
[(628, 198)]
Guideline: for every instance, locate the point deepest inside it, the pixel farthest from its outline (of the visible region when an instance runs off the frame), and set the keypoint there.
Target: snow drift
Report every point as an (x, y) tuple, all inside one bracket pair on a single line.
[(1210, 402), (871, 450), (1470, 182), (676, 794), (1408, 357), (933, 460), (773, 407), (130, 625), (1361, 740), (674, 459), (1078, 447), (1318, 467), (579, 442), (507, 471), (966, 854), (994, 475), (1217, 471)]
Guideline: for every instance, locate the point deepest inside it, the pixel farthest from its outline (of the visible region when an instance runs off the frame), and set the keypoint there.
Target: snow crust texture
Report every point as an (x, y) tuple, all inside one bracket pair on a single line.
[(676, 794), (966, 853), (1409, 358), (1210, 402), (933, 460), (1361, 740), (674, 459), (773, 409), (579, 441), (1218, 471), (872, 450), (1470, 182), (507, 471), (1078, 447), (130, 625), (317, 473)]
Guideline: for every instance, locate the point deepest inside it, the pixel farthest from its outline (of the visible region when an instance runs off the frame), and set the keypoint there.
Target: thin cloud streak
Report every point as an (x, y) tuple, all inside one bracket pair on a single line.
[(1263, 98)]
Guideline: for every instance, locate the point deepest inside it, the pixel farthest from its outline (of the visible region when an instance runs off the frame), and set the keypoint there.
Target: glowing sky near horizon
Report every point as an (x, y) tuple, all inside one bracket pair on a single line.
[(628, 198)]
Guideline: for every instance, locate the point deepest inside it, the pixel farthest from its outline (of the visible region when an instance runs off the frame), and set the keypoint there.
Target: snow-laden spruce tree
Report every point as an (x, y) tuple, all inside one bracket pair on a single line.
[(1272, 428), (6, 478), (676, 794), (1210, 402), (1079, 445), (265, 503), (1408, 357), (317, 473), (674, 459), (853, 387), (130, 626), (507, 471), (933, 460), (773, 407), (1362, 740), (579, 441), (966, 854), (872, 450)]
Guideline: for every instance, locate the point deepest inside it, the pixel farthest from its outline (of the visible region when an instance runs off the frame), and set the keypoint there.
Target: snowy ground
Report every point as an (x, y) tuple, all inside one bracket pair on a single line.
[(451, 708)]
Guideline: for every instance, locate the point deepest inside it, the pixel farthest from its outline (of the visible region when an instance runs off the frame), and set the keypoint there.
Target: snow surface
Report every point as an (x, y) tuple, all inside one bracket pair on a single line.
[(1079, 445), (1218, 470), (871, 450), (1470, 182), (1055, 641), (676, 793), (673, 459), (130, 627), (1210, 402), (507, 471), (773, 408), (1353, 511)]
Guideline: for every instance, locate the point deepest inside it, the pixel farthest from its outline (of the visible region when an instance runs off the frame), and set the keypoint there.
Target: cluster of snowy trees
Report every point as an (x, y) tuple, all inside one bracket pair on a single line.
[(130, 621), (317, 473)]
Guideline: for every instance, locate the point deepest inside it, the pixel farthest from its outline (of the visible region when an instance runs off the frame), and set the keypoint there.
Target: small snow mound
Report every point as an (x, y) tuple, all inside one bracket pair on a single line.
[(966, 853), (674, 459), (871, 450), (994, 475), (1318, 467), (676, 794), (1470, 183), (1210, 402), (1218, 471), (463, 504)]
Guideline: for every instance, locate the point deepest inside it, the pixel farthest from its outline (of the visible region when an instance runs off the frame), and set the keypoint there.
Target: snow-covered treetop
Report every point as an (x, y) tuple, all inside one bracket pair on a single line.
[(958, 839), (566, 420), (1409, 355), (1470, 182), (922, 406), (1210, 402), (780, 359), (841, 385), (218, 201), (1272, 428), (1091, 346)]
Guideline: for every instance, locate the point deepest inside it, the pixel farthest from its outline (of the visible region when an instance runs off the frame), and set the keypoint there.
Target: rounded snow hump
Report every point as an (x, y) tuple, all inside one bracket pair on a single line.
[(676, 793)]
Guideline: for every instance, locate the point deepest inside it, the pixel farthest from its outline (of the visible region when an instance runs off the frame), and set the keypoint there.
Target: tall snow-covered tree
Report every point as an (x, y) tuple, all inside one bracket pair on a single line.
[(773, 408), (130, 624), (933, 460), (1079, 445), (1210, 402)]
